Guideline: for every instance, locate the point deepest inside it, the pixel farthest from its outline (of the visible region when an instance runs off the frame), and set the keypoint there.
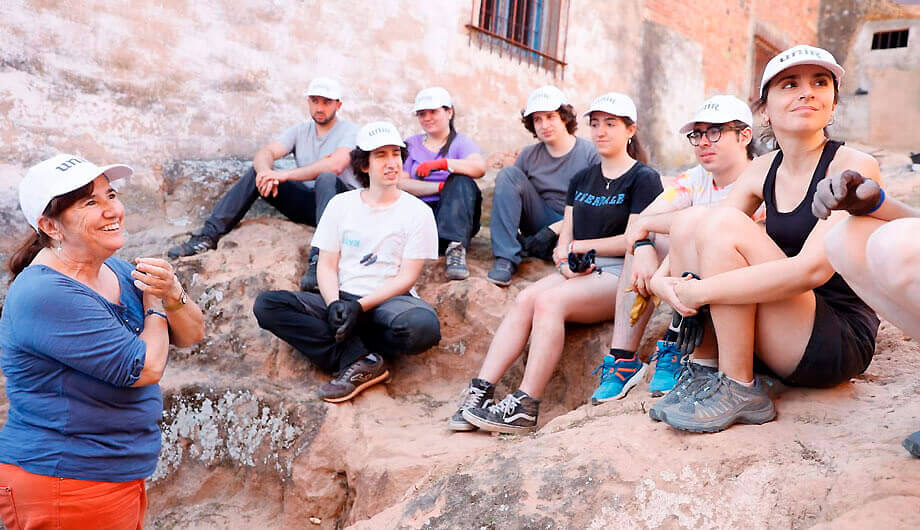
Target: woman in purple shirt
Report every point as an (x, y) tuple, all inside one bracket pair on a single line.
[(440, 170)]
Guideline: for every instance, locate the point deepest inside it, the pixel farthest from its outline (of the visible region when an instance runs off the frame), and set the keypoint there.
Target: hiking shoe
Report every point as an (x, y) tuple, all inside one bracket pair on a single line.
[(667, 368), (357, 377), (691, 377), (618, 376), (912, 444), (455, 261), (501, 272), (478, 395), (515, 414), (195, 245), (308, 280), (720, 403)]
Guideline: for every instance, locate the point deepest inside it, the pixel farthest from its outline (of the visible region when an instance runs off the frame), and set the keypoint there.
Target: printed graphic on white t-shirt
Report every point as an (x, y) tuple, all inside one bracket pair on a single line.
[(373, 242), (696, 187)]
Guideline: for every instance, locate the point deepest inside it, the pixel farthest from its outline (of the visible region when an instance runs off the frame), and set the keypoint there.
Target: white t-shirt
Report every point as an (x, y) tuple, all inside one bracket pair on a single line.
[(372, 241), (696, 187)]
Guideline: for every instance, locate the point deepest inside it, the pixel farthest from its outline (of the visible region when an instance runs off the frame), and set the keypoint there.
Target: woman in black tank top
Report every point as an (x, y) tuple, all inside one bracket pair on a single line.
[(772, 295)]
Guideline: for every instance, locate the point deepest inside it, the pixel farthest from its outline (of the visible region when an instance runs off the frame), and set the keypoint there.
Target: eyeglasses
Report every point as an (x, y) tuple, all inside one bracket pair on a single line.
[(713, 134)]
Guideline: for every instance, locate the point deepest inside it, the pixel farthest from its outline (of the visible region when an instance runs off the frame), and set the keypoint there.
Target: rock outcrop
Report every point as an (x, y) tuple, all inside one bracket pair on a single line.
[(246, 442)]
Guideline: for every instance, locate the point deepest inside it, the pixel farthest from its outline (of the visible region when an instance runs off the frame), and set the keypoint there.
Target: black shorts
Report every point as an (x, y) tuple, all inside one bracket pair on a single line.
[(841, 346)]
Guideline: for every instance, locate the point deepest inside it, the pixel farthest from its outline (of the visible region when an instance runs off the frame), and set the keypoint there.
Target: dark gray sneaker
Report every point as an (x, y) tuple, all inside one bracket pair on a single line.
[(912, 444), (692, 376), (515, 414), (195, 245), (357, 377), (501, 272), (719, 404), (308, 280), (478, 395), (455, 261)]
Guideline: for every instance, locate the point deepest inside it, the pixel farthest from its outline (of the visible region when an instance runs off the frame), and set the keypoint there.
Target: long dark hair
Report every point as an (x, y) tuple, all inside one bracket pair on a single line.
[(37, 240), (451, 135), (633, 145)]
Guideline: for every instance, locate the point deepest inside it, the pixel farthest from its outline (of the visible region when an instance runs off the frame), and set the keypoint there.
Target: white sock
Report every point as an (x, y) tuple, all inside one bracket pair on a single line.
[(711, 363), (749, 384)]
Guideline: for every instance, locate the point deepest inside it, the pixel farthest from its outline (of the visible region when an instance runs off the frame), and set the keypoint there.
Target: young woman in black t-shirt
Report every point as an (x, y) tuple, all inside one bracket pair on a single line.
[(773, 292), (600, 201)]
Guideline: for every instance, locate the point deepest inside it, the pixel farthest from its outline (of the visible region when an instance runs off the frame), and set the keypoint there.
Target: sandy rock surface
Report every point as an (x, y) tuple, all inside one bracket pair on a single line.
[(247, 443)]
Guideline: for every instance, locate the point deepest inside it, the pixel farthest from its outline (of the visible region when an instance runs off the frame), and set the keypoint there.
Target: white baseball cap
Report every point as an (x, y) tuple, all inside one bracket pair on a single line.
[(720, 109), (378, 134), (801, 54), (58, 175), (326, 88), (544, 99), (616, 104), (432, 98)]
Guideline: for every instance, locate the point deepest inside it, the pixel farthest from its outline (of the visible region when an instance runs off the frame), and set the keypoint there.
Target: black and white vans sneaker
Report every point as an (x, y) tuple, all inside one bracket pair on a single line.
[(515, 414), (478, 395)]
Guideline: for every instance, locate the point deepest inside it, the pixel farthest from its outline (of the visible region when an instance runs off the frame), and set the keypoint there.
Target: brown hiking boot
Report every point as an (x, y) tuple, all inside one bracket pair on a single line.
[(359, 376)]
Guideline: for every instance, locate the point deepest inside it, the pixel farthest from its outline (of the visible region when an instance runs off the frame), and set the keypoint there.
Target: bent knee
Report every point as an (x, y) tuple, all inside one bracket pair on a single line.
[(686, 222), (893, 255), (509, 178), (265, 306), (415, 330), (549, 306)]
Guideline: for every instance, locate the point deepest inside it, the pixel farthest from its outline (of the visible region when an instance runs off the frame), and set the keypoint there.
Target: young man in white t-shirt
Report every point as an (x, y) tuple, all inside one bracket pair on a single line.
[(720, 133), (372, 245)]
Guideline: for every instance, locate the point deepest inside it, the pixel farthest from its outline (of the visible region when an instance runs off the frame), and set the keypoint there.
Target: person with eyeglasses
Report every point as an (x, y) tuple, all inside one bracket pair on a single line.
[(770, 297), (720, 133)]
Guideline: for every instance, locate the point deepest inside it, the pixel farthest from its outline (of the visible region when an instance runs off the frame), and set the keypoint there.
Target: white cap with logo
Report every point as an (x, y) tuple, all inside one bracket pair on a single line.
[(801, 54), (544, 99), (378, 134), (325, 87), (432, 98), (616, 104), (59, 175), (720, 109)]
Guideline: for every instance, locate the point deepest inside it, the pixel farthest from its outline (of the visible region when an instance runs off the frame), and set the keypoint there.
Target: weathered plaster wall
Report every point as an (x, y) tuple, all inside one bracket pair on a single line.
[(725, 29), (884, 117)]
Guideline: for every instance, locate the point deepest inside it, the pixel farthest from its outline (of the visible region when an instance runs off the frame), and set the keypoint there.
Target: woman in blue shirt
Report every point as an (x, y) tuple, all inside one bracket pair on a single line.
[(84, 339)]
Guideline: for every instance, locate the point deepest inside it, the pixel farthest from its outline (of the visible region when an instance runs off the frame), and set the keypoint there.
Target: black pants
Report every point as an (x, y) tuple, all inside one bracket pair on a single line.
[(401, 325), (297, 201), (458, 211)]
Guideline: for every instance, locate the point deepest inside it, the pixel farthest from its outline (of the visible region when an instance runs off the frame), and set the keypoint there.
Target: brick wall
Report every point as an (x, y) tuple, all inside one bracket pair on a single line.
[(725, 30)]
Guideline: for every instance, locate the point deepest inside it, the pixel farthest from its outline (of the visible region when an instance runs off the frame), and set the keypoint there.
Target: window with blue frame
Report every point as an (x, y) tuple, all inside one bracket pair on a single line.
[(525, 29)]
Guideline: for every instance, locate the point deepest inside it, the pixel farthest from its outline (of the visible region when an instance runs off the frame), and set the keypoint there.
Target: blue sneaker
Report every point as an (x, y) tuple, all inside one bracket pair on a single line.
[(618, 376), (667, 368)]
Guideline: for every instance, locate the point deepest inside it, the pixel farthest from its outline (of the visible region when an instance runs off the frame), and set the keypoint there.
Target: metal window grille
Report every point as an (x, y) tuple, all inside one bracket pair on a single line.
[(527, 30), (884, 40)]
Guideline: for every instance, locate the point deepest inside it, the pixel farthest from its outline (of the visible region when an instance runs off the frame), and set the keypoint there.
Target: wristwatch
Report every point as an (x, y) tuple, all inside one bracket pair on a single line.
[(183, 299)]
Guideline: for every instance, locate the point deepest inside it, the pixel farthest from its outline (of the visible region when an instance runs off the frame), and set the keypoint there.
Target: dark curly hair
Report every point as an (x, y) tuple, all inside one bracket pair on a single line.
[(361, 159), (566, 114)]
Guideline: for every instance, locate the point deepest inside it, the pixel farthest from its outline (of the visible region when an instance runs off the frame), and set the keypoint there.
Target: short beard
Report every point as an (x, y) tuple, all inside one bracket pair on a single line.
[(328, 120)]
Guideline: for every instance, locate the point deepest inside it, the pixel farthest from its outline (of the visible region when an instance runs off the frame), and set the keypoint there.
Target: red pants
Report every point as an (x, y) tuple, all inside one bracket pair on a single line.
[(29, 501)]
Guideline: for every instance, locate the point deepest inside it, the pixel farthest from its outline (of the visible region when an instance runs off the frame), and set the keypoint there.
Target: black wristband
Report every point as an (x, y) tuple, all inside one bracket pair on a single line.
[(693, 274), (642, 243)]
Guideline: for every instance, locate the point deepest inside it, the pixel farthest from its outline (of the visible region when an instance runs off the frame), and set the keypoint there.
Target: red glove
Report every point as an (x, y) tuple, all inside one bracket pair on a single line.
[(425, 168)]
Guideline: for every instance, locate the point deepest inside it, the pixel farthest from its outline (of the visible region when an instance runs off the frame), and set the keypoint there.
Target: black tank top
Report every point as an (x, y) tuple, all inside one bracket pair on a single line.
[(789, 230)]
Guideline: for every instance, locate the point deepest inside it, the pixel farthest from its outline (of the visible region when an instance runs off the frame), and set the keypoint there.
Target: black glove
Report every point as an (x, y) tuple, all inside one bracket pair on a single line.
[(690, 333), (541, 244), (342, 315), (581, 262), (848, 191)]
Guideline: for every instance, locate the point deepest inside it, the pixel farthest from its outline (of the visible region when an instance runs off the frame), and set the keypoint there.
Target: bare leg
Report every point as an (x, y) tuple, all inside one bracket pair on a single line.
[(586, 300), (729, 239), (684, 258), (880, 261), (625, 335), (511, 336)]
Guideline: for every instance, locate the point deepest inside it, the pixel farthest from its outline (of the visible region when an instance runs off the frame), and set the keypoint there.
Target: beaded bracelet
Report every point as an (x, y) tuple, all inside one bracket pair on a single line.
[(155, 312)]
